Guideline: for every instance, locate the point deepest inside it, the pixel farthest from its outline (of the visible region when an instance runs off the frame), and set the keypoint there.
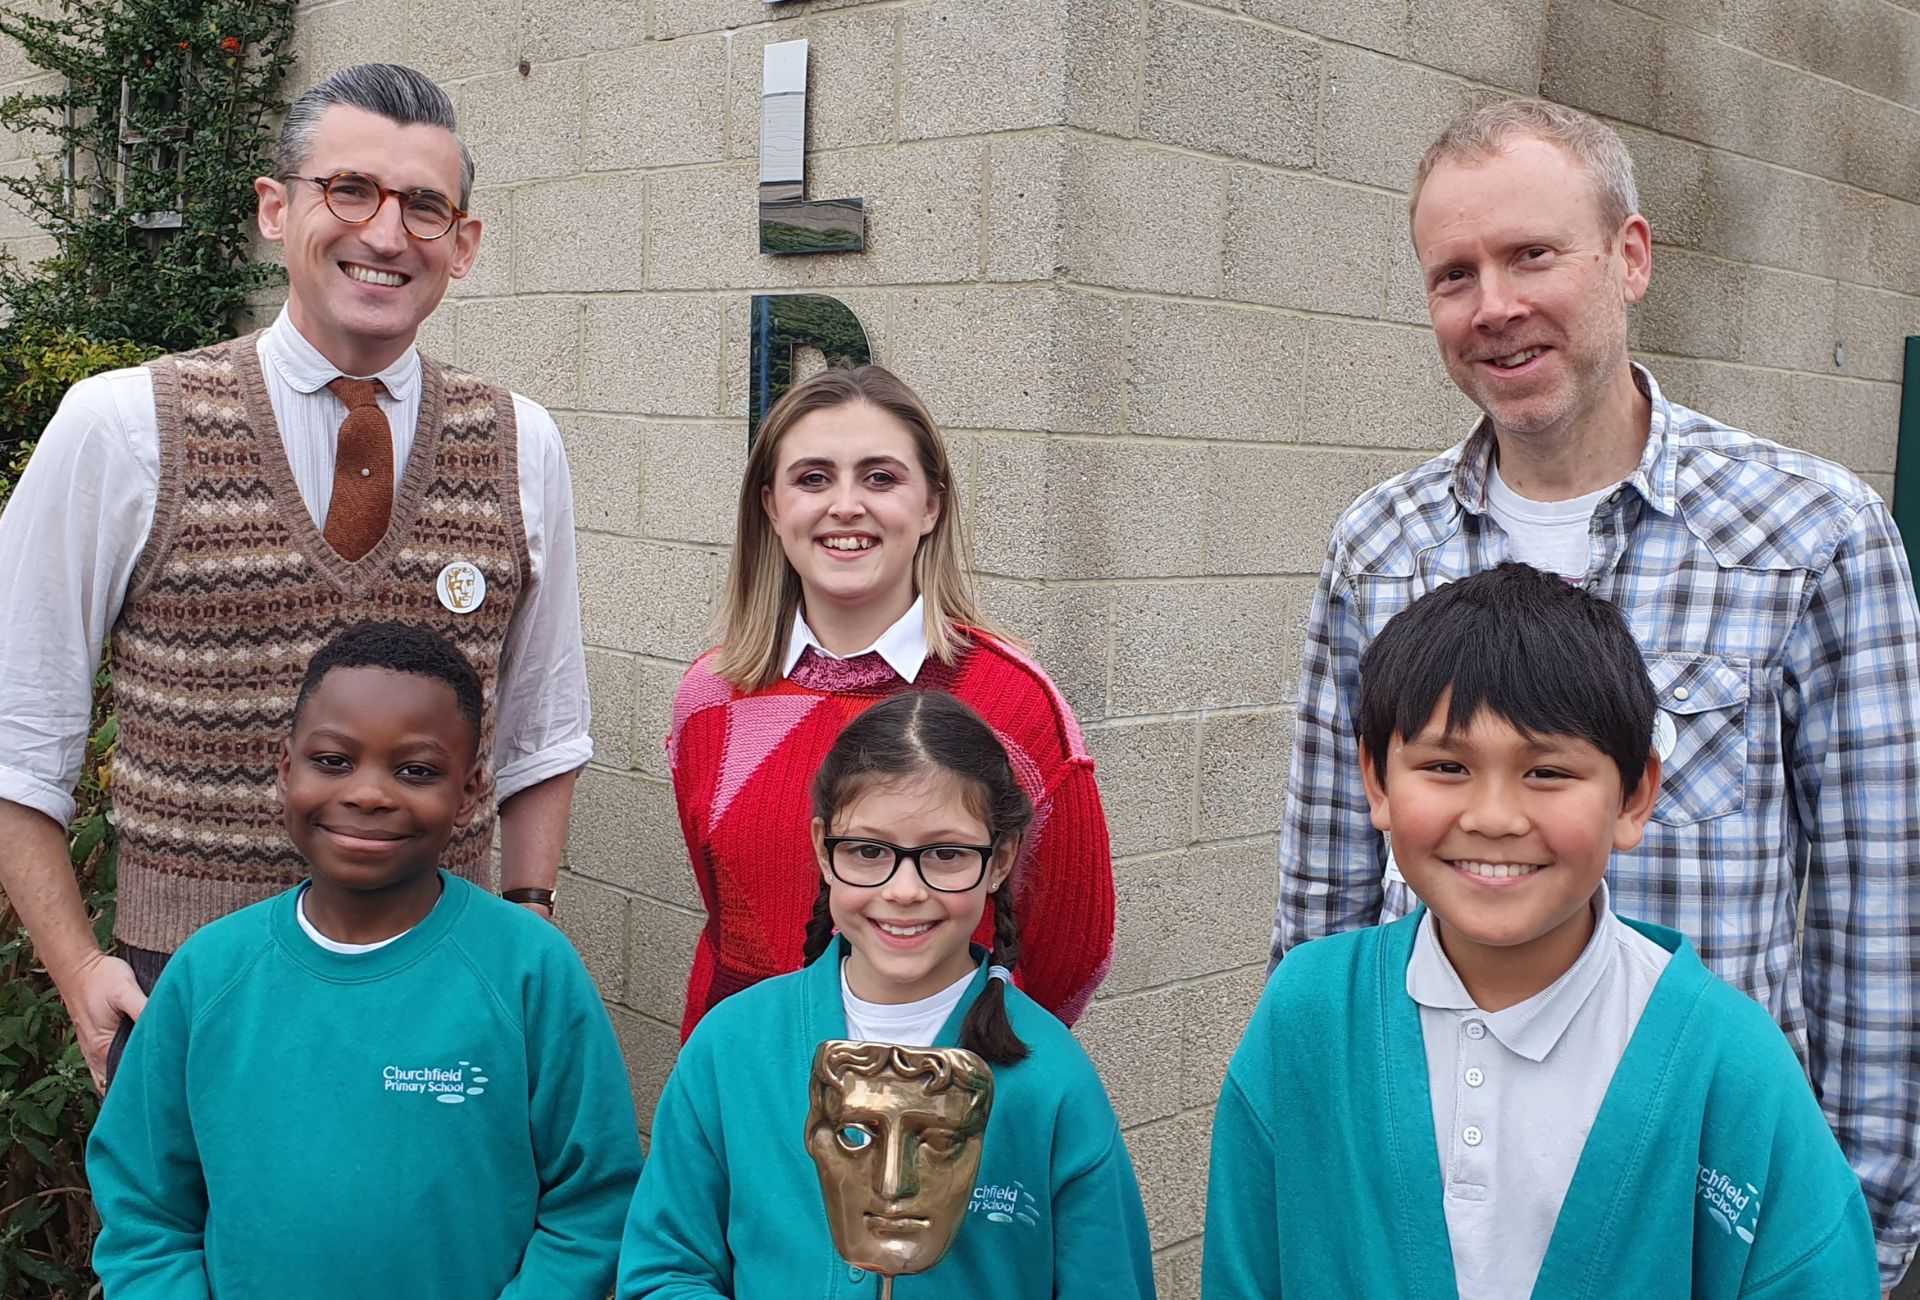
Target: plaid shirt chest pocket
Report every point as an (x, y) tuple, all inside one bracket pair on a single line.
[(1700, 732)]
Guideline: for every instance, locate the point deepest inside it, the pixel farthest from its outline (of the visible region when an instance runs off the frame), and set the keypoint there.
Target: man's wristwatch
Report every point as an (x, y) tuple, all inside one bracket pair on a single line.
[(529, 894)]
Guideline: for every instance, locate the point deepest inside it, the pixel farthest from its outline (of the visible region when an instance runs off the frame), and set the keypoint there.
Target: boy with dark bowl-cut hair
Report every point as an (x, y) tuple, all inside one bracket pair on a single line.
[(386, 1081), (1513, 1092)]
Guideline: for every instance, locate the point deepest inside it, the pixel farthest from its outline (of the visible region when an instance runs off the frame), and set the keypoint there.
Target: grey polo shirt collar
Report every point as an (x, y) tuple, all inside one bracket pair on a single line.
[(1532, 1028)]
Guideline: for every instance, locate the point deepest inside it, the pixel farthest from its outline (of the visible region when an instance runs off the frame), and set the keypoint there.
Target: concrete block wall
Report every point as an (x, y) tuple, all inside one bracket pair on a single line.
[(22, 153), (1147, 260)]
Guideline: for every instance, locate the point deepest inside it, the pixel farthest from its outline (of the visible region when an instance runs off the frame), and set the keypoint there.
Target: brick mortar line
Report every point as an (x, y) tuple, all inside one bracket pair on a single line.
[(1224, 842), (716, 551), (1178, 579), (1666, 134), (1179, 1249), (634, 895), (1663, 133), (637, 1012), (1632, 6), (1771, 370), (1778, 269), (1724, 260), (1137, 39), (1198, 6), (1336, 43), (1158, 1121), (1184, 715), (899, 73), (774, 20), (1231, 160), (637, 656), (1248, 840), (1170, 441), (1179, 983), (892, 289), (628, 894)]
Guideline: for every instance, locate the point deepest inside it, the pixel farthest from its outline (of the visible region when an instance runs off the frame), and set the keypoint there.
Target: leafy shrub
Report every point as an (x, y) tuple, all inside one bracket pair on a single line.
[(37, 368), (47, 1102), (165, 113)]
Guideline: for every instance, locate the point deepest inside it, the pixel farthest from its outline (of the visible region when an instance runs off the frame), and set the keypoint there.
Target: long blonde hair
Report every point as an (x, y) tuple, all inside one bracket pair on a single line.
[(763, 591)]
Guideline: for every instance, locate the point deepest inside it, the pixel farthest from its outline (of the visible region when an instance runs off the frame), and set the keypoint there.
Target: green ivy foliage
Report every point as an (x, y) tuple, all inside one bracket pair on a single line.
[(200, 83), (199, 80)]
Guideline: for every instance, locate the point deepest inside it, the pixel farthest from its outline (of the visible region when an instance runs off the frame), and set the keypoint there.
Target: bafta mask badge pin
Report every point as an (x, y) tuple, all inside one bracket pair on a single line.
[(895, 1133), (461, 587)]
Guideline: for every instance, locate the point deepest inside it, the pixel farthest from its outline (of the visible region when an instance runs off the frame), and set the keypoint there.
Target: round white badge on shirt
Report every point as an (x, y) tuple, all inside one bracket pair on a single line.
[(1665, 737), (461, 587)]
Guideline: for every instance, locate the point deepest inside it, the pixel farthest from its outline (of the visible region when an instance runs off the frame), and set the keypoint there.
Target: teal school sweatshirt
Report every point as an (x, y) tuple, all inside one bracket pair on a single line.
[(445, 1118), (731, 1205), (1710, 1171)]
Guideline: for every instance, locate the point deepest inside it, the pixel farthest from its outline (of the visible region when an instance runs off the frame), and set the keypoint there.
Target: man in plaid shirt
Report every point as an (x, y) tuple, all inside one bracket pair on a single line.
[(1767, 587)]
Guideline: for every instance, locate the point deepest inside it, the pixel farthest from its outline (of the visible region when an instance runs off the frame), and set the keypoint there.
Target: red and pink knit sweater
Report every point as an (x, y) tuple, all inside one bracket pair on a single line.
[(743, 768)]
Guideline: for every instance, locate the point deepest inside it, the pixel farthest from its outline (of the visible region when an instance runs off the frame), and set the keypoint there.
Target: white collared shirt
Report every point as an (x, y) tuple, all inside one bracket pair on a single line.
[(1515, 1093), (79, 519), (903, 645)]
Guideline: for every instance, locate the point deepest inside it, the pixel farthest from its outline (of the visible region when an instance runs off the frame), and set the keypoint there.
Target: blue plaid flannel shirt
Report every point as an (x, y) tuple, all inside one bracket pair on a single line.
[(1770, 593)]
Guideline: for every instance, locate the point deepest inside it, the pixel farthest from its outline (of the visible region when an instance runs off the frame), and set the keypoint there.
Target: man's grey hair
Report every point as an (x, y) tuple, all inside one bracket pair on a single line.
[(396, 93), (1479, 135)]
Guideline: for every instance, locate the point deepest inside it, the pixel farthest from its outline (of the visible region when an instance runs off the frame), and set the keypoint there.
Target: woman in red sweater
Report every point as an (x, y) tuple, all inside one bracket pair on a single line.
[(849, 584)]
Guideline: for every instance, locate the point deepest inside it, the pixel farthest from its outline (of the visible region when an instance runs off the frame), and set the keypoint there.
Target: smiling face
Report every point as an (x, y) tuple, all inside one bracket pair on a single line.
[(1527, 289), (380, 771), (358, 293), (897, 1149), (850, 501), (909, 941), (1506, 838)]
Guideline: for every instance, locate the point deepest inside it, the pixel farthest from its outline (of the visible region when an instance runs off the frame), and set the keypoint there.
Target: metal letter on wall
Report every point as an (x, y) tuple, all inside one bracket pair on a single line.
[(789, 222), (1906, 468), (782, 322)]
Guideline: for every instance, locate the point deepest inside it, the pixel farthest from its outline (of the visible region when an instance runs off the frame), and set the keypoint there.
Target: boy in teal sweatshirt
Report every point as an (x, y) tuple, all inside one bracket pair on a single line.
[(1513, 1092), (384, 1082)]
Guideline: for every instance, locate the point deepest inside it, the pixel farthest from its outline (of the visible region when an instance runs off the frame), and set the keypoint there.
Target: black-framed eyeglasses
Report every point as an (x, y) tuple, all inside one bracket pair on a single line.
[(356, 198), (944, 868)]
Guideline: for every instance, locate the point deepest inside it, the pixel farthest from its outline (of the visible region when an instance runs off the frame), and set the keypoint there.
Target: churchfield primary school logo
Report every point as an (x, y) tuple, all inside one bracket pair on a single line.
[(1734, 1206), (1006, 1203), (449, 1086)]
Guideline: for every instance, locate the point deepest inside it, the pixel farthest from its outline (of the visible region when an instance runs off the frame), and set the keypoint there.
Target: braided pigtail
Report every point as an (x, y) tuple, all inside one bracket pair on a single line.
[(987, 1031), (819, 926), (931, 732)]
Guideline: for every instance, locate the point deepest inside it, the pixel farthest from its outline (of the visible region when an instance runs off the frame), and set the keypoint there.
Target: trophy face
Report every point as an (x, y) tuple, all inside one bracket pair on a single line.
[(895, 1133)]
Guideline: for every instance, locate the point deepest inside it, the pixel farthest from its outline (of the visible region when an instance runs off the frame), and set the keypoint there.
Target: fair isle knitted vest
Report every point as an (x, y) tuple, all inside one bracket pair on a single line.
[(235, 591)]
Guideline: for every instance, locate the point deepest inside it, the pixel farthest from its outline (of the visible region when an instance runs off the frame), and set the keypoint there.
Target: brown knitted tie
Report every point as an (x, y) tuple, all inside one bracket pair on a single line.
[(362, 470)]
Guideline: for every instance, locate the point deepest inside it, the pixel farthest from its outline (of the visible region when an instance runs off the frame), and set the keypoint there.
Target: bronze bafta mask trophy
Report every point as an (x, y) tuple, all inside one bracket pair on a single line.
[(895, 1133)]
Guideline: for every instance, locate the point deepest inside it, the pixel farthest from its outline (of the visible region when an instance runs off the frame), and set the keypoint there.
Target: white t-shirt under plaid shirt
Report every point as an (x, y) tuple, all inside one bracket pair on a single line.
[(1770, 593)]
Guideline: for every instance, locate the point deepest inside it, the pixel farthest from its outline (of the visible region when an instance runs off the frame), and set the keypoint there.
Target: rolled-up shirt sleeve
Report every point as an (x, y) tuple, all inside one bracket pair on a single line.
[(542, 711), (69, 539)]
